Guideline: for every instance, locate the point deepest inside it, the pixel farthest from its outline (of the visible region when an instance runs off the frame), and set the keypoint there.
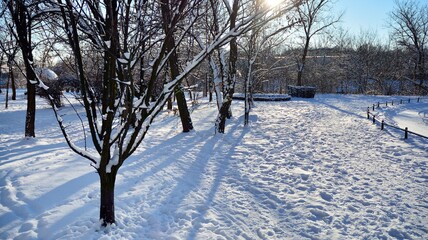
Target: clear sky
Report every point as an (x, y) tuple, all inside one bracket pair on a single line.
[(366, 15)]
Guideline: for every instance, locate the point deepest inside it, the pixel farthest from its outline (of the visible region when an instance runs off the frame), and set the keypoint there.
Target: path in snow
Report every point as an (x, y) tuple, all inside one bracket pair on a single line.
[(319, 171), (313, 169)]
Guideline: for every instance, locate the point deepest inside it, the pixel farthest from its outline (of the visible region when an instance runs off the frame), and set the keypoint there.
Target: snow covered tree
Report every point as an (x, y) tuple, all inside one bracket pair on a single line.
[(24, 15), (229, 82), (126, 33), (168, 25)]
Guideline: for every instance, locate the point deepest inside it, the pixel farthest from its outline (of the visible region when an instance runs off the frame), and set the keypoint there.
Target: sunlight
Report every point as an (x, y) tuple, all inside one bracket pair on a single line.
[(273, 3)]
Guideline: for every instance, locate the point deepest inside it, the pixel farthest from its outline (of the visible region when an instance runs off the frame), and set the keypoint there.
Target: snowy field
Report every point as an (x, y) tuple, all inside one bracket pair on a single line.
[(303, 169), (414, 117)]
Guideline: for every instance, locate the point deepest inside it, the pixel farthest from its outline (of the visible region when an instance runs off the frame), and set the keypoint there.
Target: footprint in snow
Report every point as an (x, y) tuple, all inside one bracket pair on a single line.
[(327, 197), (320, 215)]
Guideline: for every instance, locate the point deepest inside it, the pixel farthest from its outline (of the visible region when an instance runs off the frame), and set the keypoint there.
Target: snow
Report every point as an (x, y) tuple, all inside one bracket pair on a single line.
[(114, 160), (122, 60), (108, 43), (303, 169), (46, 74), (43, 85), (414, 118)]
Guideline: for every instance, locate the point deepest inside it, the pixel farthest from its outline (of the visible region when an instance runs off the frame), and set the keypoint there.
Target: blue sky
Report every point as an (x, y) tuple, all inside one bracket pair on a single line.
[(366, 15)]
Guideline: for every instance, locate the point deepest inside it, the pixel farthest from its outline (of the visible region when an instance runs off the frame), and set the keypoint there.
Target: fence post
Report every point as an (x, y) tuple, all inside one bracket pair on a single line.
[(401, 101), (381, 125), (378, 104), (386, 103), (373, 107), (368, 112), (392, 103), (374, 119), (409, 100), (406, 133), (418, 99)]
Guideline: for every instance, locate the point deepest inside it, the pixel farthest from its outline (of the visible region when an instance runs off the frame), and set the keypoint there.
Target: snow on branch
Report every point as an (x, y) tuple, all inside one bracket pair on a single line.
[(219, 40)]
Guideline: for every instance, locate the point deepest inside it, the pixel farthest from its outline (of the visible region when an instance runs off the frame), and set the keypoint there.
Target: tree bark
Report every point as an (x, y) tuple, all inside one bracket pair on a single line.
[(23, 27), (13, 84), (6, 105), (186, 120), (421, 68), (30, 117), (225, 111), (303, 62), (107, 183)]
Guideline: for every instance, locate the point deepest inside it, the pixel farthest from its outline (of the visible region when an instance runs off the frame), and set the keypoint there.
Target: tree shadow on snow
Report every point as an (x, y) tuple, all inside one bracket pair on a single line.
[(205, 161), (340, 109), (222, 167)]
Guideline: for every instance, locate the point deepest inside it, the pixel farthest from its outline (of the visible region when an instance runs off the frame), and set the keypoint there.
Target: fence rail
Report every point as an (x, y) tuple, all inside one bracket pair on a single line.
[(383, 123)]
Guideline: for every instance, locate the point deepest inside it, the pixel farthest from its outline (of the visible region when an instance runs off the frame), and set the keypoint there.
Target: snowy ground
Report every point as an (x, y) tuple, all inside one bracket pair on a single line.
[(414, 117), (304, 169)]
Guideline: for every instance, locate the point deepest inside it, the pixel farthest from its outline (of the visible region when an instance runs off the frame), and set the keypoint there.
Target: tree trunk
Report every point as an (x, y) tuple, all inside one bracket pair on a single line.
[(169, 103), (23, 28), (223, 113), (30, 117), (303, 62), (421, 68), (186, 120), (12, 81), (7, 93), (107, 183), (247, 93)]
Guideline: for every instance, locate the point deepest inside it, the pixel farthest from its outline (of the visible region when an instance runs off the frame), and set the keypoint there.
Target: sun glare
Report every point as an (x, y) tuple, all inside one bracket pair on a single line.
[(273, 3)]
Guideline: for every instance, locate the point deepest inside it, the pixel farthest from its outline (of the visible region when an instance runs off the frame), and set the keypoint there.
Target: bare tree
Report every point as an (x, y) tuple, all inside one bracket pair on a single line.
[(315, 18), (409, 22), (9, 50), (261, 39), (21, 13), (229, 84), (169, 23)]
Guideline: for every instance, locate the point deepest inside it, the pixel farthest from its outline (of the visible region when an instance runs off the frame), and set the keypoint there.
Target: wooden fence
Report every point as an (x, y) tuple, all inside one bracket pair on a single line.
[(383, 123)]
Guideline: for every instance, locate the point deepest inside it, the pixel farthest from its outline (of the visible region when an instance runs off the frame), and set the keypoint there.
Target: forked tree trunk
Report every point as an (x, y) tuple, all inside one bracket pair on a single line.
[(186, 120), (107, 183)]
